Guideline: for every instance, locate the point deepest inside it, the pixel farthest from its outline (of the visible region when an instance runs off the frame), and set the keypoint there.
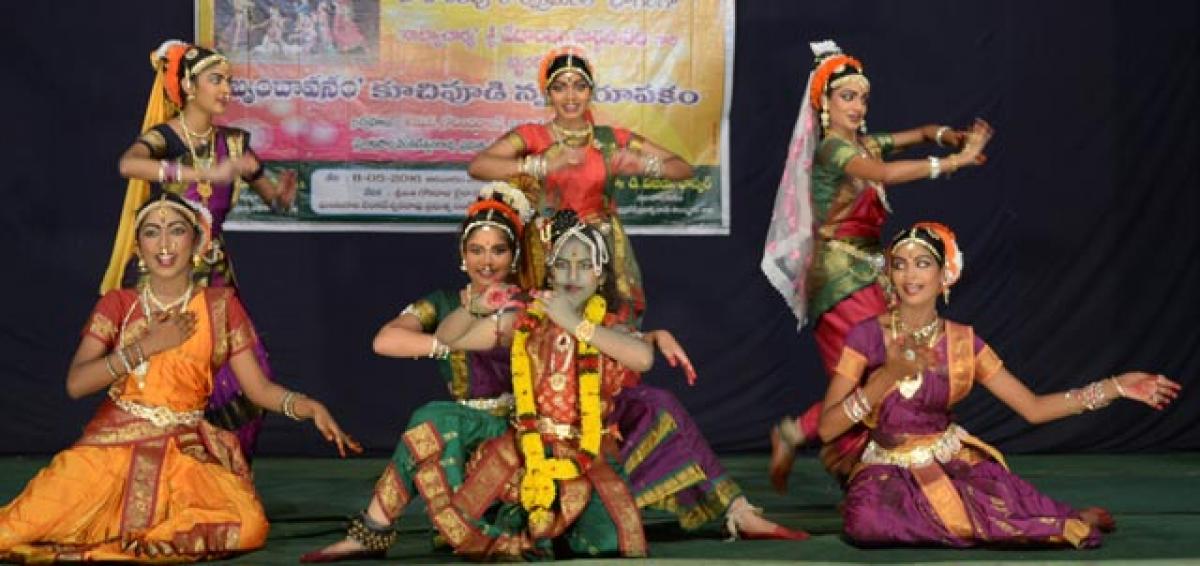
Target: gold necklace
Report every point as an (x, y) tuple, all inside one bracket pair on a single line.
[(910, 384), (188, 131), (203, 188), (573, 138)]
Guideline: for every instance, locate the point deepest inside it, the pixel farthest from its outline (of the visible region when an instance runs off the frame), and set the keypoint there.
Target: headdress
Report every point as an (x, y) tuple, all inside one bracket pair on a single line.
[(562, 60), (563, 226), (171, 63), (940, 240), (833, 69)]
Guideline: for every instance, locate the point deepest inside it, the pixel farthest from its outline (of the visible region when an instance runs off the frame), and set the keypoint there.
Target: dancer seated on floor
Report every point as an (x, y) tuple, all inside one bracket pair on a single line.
[(921, 478), (480, 383), (151, 480), (554, 471)]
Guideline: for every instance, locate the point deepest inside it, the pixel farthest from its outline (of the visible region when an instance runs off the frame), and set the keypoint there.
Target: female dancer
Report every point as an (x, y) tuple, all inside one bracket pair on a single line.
[(151, 480), (569, 359), (834, 186), (577, 161), (922, 479), (671, 465), (186, 154)]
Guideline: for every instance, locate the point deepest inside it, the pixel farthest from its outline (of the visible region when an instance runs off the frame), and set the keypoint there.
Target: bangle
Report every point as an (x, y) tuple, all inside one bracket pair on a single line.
[(585, 331), (108, 365), (162, 166), (437, 350), (1091, 396), (288, 405), (855, 405), (124, 360), (937, 138), (652, 166), (935, 167), (1117, 384), (137, 349), (533, 165)]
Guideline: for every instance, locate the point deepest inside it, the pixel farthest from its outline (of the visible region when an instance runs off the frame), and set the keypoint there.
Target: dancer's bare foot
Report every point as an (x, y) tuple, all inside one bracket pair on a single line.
[(1099, 518), (783, 453), (345, 549), (746, 521)]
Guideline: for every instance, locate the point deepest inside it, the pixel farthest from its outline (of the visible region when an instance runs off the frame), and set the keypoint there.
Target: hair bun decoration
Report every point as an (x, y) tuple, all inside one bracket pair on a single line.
[(953, 261)]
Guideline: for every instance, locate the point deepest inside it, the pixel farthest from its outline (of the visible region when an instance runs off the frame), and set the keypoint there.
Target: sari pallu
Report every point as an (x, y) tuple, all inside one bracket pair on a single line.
[(134, 490), (228, 408), (921, 479)]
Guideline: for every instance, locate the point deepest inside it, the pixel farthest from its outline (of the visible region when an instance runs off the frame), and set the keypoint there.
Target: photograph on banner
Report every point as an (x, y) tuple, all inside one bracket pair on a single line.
[(377, 106)]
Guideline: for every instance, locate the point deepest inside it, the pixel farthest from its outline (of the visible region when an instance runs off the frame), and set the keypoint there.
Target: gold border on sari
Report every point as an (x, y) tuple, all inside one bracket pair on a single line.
[(664, 426), (960, 362), (390, 491)]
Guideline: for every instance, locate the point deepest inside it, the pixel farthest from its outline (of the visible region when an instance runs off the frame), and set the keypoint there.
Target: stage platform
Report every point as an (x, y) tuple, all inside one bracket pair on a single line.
[(1155, 499)]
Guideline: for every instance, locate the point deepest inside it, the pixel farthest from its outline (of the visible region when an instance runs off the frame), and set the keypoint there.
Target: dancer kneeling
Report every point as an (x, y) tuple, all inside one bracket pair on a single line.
[(151, 480), (921, 478)]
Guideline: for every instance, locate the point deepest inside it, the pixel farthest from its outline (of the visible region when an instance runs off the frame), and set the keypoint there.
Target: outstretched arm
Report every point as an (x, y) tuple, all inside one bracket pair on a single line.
[(271, 396), (1154, 390), (905, 170)]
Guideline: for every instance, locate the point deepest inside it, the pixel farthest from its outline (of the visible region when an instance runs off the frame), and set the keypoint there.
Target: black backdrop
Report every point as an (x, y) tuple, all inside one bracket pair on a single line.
[(1080, 234)]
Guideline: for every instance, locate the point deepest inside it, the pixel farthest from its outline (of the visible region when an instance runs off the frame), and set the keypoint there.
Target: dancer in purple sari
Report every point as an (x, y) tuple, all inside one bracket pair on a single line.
[(182, 151), (921, 478)]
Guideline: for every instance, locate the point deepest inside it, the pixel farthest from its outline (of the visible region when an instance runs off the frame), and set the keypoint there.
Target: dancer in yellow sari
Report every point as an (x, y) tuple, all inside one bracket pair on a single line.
[(151, 480)]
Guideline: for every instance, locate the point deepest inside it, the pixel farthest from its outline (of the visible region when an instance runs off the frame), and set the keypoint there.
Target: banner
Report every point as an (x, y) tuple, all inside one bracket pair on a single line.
[(378, 106)]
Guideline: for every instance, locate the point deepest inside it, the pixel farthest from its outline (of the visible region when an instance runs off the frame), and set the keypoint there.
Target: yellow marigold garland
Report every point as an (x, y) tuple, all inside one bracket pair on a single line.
[(538, 490)]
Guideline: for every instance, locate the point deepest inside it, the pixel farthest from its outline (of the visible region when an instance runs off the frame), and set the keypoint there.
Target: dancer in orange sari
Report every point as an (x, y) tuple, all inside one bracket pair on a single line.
[(151, 480)]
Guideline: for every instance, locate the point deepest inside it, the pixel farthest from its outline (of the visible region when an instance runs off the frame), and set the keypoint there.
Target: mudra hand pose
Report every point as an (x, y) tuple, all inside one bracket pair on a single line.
[(823, 247), (921, 478), (182, 151), (151, 480), (577, 162)]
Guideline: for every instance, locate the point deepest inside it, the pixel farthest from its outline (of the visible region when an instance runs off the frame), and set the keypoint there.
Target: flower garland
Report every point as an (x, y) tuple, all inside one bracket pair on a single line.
[(537, 486)]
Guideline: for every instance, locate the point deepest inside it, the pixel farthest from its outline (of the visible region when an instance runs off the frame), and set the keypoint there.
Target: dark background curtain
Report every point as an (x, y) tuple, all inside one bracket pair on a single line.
[(1080, 233)]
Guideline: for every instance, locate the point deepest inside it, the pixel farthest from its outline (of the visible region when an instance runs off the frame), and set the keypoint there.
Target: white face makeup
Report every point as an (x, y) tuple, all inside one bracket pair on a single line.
[(573, 273)]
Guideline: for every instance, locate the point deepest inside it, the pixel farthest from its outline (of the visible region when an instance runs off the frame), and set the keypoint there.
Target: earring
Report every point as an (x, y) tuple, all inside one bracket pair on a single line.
[(946, 295), (862, 127), (142, 265), (824, 119), (196, 260), (463, 266)]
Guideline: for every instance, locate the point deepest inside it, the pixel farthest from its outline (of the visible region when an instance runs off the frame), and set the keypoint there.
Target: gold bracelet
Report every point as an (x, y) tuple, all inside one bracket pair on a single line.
[(585, 331), (111, 370)]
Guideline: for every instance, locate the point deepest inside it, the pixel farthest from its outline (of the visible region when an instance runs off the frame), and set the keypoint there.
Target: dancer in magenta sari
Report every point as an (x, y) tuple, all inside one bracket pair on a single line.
[(182, 152), (921, 478), (823, 246)]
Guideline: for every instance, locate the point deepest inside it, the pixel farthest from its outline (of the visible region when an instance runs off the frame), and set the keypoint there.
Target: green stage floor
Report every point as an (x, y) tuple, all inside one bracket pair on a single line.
[(1155, 499)]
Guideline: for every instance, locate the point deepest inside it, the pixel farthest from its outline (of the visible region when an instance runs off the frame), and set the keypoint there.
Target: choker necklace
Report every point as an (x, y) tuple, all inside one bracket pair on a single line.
[(573, 138)]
